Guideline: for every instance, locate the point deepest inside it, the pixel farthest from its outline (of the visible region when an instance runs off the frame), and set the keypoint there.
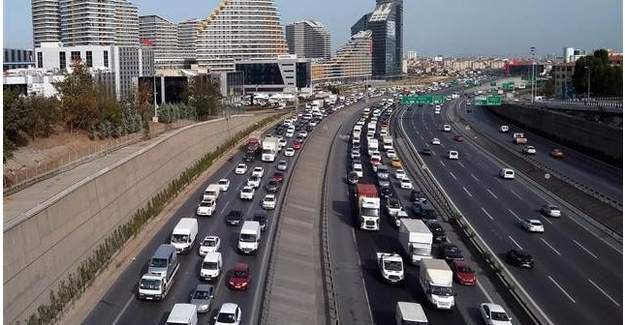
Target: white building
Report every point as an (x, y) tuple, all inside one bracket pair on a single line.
[(308, 39), (46, 21), (351, 62), (187, 38), (572, 54), (36, 81), (238, 30), (162, 35)]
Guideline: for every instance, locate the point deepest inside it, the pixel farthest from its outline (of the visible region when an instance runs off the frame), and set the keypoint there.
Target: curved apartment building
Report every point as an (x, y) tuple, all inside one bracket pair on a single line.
[(239, 30)]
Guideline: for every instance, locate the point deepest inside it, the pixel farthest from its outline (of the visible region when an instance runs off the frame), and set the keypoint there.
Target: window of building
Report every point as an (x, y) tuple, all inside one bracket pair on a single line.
[(106, 59), (39, 60), (75, 56), (62, 61), (89, 59)]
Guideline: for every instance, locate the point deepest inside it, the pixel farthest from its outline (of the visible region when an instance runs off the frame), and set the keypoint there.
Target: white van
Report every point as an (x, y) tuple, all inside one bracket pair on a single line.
[(410, 313), (183, 236), (249, 238), (506, 173), (183, 314), (211, 192), (211, 266)]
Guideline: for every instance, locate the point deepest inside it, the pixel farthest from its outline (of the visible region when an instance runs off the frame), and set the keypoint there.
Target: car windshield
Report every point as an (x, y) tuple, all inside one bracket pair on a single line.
[(393, 265), (247, 190), (441, 291), (464, 269), (536, 223), (369, 212), (150, 284), (499, 316), (158, 262), (269, 199), (209, 242), (248, 238), (223, 182), (226, 318), (240, 274), (206, 203), (201, 295), (178, 238), (210, 265)]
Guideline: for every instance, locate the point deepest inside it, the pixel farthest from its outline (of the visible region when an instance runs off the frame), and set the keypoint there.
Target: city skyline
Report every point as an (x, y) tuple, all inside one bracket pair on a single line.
[(448, 29)]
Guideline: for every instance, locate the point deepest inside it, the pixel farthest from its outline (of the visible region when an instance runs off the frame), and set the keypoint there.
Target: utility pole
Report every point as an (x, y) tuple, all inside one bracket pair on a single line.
[(533, 90), (587, 67), (155, 117)]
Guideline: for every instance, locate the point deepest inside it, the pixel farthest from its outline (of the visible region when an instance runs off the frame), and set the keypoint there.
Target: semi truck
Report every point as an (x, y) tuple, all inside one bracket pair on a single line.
[(436, 279), (251, 148), (391, 266), (368, 202), (270, 148), (416, 239)]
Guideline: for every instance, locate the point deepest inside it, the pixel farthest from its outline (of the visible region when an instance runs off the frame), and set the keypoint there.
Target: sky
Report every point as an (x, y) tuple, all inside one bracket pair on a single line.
[(431, 27)]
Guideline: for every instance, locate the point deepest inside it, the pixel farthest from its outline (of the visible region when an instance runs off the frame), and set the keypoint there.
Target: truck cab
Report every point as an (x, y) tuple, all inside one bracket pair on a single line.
[(153, 286), (184, 234), (410, 313), (211, 192), (368, 206), (211, 266), (436, 279), (391, 266), (249, 237)]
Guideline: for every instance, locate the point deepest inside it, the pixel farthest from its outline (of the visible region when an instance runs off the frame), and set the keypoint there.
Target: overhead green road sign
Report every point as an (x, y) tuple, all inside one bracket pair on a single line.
[(423, 99), (438, 99), (491, 100), (508, 85)]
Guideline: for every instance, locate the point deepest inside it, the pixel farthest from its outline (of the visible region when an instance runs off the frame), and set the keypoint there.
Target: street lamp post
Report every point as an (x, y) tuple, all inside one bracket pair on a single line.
[(155, 117), (587, 67), (533, 90)]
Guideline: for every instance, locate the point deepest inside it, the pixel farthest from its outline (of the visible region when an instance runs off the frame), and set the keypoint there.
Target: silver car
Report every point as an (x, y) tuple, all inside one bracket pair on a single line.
[(202, 297)]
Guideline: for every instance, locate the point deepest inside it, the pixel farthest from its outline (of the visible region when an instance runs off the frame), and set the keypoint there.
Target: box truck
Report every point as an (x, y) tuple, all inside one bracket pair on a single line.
[(270, 149), (416, 239), (368, 202), (436, 278)]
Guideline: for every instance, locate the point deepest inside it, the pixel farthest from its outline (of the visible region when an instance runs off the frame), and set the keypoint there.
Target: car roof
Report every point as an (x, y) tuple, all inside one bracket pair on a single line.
[(204, 287), (494, 307), (241, 267), (228, 308)]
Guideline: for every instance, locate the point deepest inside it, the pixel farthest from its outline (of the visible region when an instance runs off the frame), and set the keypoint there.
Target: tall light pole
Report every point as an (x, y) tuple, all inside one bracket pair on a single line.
[(587, 67), (155, 117), (533, 90)]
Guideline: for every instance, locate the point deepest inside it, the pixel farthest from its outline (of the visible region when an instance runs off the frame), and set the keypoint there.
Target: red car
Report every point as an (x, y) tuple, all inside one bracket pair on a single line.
[(240, 277), (459, 138), (557, 153), (463, 273), (278, 177), (297, 145)]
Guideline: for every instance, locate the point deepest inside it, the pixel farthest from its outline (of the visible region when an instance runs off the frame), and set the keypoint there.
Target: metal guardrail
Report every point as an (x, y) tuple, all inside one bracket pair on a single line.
[(452, 215), (582, 106)]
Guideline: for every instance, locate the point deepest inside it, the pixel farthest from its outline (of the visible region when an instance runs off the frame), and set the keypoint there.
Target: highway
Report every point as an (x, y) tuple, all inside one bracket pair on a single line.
[(120, 306), (346, 235), (584, 169), (577, 278)]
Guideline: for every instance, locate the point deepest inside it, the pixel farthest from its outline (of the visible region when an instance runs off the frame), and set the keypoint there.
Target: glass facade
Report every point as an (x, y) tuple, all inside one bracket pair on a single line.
[(62, 61), (261, 73)]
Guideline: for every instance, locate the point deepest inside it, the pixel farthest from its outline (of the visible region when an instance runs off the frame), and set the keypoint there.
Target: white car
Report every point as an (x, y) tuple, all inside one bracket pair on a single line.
[(529, 150), (206, 208), (504, 129), (289, 134), (551, 210), (405, 184), (269, 202), (358, 169), (446, 128), (453, 155), (303, 134), (258, 171), (210, 244), (436, 141), (506, 173), (224, 184), (355, 154), (390, 154), (376, 155), (240, 169), (254, 181), (247, 193), (493, 314), (282, 143), (229, 314), (289, 152), (437, 111), (400, 174), (282, 165), (533, 225)]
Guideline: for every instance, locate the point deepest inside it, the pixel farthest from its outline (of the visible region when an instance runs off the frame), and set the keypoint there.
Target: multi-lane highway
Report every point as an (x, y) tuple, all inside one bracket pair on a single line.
[(380, 296), (120, 305), (577, 277)]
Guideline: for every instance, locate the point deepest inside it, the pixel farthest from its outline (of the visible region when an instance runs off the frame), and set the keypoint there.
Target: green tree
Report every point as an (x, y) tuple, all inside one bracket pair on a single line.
[(204, 96), (78, 99), (109, 113), (605, 80), (42, 115)]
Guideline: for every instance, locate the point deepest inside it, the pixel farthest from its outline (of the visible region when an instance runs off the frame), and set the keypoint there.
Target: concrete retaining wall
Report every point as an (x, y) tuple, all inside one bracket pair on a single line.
[(596, 139), (51, 241)]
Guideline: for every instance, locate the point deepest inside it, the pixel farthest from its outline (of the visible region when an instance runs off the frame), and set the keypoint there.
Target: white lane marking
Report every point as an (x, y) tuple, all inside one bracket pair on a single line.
[(490, 299), (604, 293), (515, 194), (475, 178), (461, 165), (515, 215), (552, 248), (585, 249), (514, 241), (487, 214), (561, 289), (467, 191), (123, 310), (434, 153), (452, 175), (442, 163), (547, 219), (491, 193), (442, 145)]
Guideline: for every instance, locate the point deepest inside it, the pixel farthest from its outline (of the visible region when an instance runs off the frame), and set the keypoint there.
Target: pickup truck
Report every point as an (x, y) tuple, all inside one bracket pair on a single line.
[(391, 266)]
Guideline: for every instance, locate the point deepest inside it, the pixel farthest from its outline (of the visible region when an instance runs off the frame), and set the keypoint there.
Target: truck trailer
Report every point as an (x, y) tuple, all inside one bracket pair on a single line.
[(416, 239), (270, 148), (436, 279)]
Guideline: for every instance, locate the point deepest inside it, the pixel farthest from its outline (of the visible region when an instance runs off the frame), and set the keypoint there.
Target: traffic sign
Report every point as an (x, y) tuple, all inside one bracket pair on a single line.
[(491, 100), (438, 99), (422, 99)]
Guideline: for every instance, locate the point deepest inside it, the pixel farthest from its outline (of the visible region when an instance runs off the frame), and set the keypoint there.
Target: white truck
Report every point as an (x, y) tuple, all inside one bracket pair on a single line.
[(270, 149), (436, 279), (211, 192), (182, 314), (154, 286), (410, 313), (416, 239), (391, 266), (368, 206), (387, 142), (249, 237)]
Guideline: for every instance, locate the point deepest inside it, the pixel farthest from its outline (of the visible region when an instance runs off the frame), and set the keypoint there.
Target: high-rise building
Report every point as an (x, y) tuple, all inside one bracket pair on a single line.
[(386, 27), (162, 35), (352, 61), (187, 38), (362, 23), (46, 21), (85, 22), (308, 39), (238, 30)]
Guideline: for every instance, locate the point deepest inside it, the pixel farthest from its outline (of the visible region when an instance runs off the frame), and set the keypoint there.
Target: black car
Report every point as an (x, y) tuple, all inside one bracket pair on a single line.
[(386, 192), (451, 252), (352, 178), (520, 258), (438, 232), (234, 218), (309, 128), (424, 210), (248, 157), (392, 203), (426, 151), (416, 196), (261, 218), (272, 186)]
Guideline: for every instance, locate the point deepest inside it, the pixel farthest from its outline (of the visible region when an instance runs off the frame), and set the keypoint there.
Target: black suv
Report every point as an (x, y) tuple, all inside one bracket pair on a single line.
[(272, 186), (520, 258), (438, 232), (234, 218), (451, 252)]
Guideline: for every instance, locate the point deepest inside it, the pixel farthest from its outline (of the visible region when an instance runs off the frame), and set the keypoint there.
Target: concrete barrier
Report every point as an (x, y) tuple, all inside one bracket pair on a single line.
[(46, 243), (596, 139)]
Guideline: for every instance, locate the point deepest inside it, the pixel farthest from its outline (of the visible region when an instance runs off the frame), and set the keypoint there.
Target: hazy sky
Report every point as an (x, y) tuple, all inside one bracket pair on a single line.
[(448, 27)]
